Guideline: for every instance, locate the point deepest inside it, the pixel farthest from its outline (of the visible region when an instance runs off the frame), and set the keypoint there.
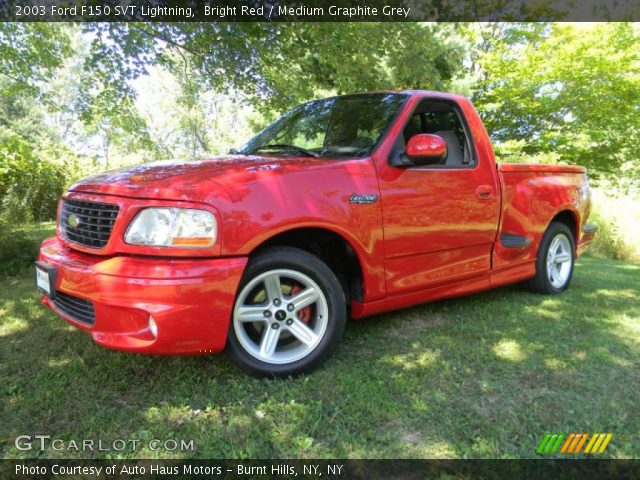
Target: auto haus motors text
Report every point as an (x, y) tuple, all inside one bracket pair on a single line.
[(45, 442), (109, 470)]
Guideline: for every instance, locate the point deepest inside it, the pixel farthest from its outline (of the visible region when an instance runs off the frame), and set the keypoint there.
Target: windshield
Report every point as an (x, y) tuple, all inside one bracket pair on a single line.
[(349, 126)]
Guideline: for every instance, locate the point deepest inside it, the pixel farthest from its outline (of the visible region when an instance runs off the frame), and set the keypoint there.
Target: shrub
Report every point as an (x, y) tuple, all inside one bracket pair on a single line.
[(618, 220), (18, 249), (30, 184), (610, 241)]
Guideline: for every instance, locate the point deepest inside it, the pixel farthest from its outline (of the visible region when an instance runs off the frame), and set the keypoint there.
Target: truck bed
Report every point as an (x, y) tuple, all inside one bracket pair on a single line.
[(531, 196)]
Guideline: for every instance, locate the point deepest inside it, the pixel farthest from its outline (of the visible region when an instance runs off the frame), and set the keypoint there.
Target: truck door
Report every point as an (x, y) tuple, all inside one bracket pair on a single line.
[(440, 220)]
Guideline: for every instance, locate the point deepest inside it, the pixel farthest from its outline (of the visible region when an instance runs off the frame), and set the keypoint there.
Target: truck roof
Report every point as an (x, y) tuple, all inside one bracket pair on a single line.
[(413, 93)]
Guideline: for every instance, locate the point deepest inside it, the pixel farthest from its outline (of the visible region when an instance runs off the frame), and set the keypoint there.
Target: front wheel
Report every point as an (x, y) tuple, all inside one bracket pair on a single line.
[(556, 257), (288, 316)]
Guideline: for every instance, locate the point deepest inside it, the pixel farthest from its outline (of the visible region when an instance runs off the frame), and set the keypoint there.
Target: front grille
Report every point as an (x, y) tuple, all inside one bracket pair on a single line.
[(92, 222), (75, 308)]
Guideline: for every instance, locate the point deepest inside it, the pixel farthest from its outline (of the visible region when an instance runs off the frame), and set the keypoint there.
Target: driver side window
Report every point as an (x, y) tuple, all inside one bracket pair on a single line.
[(442, 119)]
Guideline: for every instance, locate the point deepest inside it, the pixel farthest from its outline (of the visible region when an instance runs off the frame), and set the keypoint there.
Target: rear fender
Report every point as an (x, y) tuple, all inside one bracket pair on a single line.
[(531, 200)]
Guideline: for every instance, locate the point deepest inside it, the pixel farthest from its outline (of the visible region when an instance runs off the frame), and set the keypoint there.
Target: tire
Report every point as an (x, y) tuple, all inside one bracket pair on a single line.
[(552, 277), (288, 316)]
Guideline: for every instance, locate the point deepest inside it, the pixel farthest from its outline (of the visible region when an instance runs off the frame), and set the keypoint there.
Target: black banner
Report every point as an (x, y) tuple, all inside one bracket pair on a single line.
[(328, 469), (316, 10)]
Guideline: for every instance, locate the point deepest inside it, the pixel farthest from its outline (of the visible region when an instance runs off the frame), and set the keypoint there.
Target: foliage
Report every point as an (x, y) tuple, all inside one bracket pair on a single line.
[(568, 92), (273, 66), (564, 90), (279, 65), (29, 187), (515, 151), (28, 54), (33, 165), (618, 220), (203, 122), (19, 245), (23, 115)]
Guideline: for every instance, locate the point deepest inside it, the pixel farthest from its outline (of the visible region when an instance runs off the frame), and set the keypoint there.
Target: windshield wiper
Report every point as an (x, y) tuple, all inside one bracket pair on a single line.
[(284, 146)]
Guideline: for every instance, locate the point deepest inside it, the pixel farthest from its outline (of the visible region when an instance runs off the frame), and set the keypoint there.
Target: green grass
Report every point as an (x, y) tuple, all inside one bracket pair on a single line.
[(481, 376), (19, 245)]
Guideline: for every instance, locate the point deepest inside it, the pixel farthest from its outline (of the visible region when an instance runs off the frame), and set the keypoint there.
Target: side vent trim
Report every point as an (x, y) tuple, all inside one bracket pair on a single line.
[(511, 240)]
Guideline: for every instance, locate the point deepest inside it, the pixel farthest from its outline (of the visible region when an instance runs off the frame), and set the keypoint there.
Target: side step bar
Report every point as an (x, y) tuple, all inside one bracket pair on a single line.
[(589, 228), (510, 240)]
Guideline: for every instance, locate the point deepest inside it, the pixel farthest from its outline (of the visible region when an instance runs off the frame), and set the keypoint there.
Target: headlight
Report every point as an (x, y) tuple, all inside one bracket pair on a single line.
[(172, 227)]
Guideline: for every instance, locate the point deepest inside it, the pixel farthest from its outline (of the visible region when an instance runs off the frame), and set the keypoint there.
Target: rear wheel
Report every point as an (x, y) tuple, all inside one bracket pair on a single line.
[(556, 258), (288, 316)]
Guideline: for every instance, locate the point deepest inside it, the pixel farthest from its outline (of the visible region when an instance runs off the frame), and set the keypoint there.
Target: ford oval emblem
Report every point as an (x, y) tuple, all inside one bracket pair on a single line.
[(73, 221)]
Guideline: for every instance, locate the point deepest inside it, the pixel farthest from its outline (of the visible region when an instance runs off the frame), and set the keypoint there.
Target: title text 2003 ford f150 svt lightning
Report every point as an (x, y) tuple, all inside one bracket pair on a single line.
[(344, 207)]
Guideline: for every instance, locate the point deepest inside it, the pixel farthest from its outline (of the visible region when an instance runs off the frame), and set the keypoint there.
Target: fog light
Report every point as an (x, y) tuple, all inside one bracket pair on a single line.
[(153, 328)]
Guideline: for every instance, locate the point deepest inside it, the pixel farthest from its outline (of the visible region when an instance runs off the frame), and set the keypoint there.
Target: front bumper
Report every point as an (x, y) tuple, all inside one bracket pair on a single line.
[(190, 299)]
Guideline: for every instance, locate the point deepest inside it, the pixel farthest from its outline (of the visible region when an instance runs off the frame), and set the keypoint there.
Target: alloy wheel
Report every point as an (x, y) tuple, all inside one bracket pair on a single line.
[(559, 259), (280, 316)]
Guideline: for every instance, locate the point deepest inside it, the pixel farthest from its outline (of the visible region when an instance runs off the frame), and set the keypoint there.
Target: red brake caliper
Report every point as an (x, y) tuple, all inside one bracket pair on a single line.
[(305, 313)]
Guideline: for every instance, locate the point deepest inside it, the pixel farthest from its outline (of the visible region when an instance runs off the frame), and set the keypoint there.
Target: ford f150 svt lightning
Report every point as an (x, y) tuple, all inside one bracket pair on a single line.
[(343, 208)]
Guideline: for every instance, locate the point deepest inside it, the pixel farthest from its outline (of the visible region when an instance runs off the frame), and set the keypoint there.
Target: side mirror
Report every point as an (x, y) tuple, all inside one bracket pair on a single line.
[(426, 149)]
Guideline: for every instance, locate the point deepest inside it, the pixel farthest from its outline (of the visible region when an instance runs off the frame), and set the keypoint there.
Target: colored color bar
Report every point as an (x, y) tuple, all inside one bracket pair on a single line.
[(584, 439), (554, 449), (591, 442), (567, 443), (551, 443), (574, 444), (596, 445), (597, 442), (605, 442), (543, 442)]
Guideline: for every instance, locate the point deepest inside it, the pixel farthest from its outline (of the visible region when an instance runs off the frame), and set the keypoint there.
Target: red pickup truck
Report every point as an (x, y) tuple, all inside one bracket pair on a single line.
[(343, 208)]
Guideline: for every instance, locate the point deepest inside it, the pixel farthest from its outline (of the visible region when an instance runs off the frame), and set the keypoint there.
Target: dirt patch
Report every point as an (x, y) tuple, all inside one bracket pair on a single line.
[(409, 327)]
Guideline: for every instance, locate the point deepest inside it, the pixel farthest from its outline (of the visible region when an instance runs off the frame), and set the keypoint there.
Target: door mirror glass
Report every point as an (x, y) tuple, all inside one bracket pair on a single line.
[(426, 149)]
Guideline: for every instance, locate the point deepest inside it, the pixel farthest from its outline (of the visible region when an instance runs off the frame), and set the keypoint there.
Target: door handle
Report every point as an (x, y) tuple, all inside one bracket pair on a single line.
[(484, 192)]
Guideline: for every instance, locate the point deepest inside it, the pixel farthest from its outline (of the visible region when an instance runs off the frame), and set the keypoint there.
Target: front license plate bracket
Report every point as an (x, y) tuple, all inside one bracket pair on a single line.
[(52, 274)]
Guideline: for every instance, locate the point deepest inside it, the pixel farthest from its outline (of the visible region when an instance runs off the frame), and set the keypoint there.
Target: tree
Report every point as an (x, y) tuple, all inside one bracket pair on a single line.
[(28, 55), (280, 64), (185, 121), (549, 92), (566, 93)]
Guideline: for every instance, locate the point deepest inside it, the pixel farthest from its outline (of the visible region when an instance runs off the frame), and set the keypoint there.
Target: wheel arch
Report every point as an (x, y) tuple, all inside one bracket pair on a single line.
[(569, 218), (331, 247)]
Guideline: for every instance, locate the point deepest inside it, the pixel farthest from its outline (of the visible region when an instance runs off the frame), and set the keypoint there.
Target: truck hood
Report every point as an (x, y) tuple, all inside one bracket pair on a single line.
[(194, 180)]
